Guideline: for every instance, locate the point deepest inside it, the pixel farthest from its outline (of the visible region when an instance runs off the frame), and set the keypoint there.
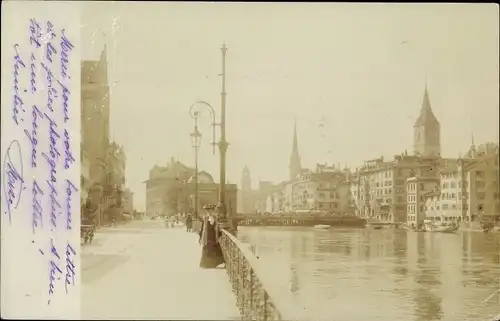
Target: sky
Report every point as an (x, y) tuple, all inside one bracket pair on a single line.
[(352, 75)]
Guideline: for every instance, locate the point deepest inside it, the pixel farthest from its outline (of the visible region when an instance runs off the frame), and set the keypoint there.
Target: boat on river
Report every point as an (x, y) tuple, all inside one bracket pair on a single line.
[(377, 225), (413, 228), (322, 227), (440, 226)]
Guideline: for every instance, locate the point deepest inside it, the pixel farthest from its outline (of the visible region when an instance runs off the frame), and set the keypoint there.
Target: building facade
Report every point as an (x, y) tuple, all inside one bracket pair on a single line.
[(171, 189), (106, 160), (379, 187), (95, 122), (326, 188), (416, 189), (468, 188)]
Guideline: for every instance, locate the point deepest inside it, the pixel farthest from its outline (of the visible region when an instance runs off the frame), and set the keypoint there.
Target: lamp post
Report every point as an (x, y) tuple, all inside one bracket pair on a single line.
[(196, 143), (223, 144)]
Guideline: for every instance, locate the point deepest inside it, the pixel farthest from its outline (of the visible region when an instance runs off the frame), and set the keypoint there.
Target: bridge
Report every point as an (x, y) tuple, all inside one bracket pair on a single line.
[(297, 219)]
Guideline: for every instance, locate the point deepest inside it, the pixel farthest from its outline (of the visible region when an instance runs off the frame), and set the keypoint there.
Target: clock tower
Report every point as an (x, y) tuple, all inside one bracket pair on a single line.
[(427, 131)]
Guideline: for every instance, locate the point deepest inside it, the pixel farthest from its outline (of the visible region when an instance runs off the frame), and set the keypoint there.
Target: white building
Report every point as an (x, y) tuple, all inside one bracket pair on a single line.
[(416, 189), (469, 190)]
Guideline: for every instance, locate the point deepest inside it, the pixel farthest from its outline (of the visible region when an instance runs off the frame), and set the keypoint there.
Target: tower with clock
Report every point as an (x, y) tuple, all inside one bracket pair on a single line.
[(427, 140)]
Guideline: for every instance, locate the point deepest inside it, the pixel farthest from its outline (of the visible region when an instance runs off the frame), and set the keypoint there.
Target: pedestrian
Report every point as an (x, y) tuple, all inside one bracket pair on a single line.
[(189, 223), (211, 254)]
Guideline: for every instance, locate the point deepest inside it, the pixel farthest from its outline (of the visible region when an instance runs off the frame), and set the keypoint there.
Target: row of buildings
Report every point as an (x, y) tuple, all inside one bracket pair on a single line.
[(171, 189), (407, 188), (103, 162)]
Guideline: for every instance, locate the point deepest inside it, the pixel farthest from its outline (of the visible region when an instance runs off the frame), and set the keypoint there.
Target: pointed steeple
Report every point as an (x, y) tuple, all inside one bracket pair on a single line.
[(426, 116), (472, 150), (104, 52), (104, 63), (295, 166)]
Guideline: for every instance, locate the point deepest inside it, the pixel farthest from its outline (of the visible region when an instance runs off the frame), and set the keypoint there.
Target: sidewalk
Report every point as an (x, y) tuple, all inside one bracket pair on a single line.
[(142, 270)]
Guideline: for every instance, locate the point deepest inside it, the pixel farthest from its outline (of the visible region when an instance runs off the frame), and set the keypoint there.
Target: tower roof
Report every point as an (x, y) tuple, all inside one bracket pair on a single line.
[(295, 146), (295, 166), (426, 116)]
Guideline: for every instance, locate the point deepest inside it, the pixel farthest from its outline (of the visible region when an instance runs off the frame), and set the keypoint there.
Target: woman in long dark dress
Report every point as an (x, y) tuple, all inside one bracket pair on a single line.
[(189, 223), (211, 254)]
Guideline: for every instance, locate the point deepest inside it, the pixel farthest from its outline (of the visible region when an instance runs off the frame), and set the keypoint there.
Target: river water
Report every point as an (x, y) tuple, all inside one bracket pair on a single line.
[(386, 274)]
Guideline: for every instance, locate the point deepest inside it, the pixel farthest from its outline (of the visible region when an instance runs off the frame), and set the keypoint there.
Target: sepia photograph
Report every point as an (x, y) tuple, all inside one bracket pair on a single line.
[(289, 161)]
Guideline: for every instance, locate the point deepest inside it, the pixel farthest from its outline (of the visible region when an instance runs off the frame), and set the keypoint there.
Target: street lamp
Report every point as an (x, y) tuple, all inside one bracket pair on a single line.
[(223, 144), (196, 143), (195, 112)]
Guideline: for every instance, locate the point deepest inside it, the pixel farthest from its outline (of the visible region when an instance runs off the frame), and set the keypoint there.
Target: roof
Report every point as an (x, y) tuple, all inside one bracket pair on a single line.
[(426, 116)]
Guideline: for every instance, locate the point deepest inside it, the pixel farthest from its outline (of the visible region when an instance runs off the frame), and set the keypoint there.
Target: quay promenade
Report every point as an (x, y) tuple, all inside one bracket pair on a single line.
[(142, 270)]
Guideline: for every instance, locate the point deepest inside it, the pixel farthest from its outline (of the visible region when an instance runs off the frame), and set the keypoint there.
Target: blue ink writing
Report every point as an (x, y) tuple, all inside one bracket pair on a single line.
[(35, 114), (53, 136), (50, 50), (70, 267), (33, 74), (68, 155), (36, 33), (54, 269), (54, 203), (52, 162), (17, 101), (37, 217), (51, 91), (66, 47), (65, 97), (69, 191), (12, 178)]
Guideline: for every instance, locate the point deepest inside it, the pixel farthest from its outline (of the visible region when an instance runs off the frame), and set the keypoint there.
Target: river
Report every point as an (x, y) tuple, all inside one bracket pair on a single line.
[(386, 274)]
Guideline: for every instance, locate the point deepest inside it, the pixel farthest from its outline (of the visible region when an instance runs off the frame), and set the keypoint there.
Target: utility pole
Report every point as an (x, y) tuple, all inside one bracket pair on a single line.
[(223, 144)]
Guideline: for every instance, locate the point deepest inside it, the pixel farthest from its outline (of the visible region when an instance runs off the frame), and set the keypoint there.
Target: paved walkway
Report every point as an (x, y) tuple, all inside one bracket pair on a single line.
[(142, 270)]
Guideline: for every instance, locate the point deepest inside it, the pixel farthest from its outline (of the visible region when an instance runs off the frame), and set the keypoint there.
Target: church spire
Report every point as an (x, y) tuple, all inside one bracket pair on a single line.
[(426, 115), (295, 146), (295, 166), (104, 51), (104, 63), (427, 129)]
